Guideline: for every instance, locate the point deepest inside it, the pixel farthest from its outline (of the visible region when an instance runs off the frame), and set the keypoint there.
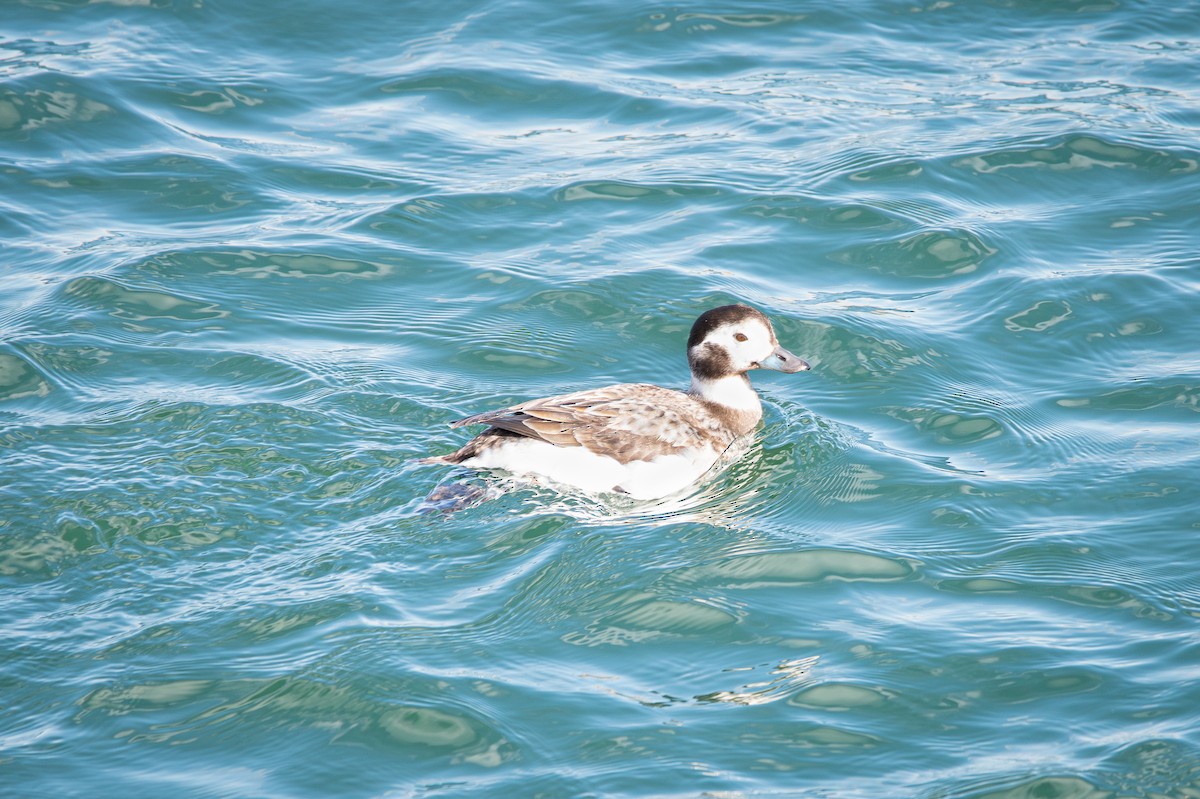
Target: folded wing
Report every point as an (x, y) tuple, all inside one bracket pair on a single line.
[(628, 422)]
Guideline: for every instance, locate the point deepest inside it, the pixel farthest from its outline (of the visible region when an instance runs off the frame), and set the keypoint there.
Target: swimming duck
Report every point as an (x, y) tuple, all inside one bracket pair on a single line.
[(636, 438)]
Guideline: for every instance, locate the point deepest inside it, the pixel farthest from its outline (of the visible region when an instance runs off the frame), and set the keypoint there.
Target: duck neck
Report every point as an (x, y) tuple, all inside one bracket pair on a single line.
[(733, 397)]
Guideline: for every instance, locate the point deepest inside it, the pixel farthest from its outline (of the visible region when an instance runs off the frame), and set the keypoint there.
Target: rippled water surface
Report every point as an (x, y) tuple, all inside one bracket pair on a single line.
[(257, 255)]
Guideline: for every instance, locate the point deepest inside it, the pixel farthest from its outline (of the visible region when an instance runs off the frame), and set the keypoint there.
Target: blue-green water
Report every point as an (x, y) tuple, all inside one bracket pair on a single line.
[(256, 256)]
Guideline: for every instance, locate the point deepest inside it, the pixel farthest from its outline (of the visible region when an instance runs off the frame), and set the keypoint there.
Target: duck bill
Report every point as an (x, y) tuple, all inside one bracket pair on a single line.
[(783, 361)]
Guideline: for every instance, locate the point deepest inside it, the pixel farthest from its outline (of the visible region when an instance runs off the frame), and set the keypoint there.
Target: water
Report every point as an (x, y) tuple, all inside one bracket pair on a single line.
[(256, 256)]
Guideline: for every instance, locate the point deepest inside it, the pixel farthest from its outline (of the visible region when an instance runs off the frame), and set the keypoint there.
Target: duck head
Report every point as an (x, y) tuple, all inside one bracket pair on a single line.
[(733, 339)]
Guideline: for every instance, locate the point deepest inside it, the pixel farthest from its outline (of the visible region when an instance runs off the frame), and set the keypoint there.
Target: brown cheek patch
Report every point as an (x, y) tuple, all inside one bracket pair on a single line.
[(711, 363)]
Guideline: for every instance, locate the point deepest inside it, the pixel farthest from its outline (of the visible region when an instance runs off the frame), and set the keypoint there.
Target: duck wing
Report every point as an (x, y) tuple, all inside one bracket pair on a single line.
[(627, 422)]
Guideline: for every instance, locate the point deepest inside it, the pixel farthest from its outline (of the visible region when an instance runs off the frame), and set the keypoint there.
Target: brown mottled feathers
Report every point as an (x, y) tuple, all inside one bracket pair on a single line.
[(628, 422)]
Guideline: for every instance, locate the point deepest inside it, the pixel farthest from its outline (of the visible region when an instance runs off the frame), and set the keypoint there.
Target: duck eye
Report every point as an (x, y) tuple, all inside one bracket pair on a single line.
[(739, 336)]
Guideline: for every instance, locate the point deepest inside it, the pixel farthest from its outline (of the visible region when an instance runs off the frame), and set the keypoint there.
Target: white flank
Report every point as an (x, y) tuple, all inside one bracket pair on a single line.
[(585, 470)]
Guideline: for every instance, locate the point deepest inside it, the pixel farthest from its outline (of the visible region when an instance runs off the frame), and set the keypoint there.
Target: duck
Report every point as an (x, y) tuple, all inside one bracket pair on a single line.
[(638, 439)]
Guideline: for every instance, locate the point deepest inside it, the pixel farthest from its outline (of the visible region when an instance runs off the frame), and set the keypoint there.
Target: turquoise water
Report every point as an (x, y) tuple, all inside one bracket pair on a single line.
[(256, 256)]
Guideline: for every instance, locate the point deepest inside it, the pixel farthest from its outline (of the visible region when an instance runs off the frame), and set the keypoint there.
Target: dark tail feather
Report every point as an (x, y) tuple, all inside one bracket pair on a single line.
[(452, 497)]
